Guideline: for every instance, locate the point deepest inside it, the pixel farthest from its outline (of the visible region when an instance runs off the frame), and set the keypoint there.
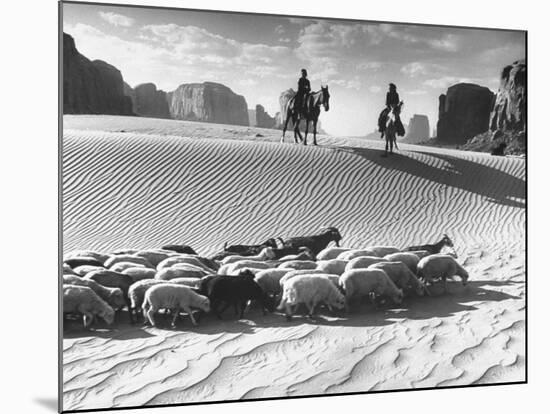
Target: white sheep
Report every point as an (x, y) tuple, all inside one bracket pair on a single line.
[(192, 282), (441, 266), (331, 252), (234, 269), (332, 266), (174, 272), (382, 251), (114, 259), (137, 290), (122, 266), (298, 265), (173, 297), (310, 290), (362, 262), (155, 256), (352, 254), (184, 258), (420, 253), (408, 258), (402, 276), (300, 272), (83, 300), (358, 283), (85, 269), (100, 257), (112, 295), (140, 273), (197, 270), (269, 280), (68, 270), (266, 253)]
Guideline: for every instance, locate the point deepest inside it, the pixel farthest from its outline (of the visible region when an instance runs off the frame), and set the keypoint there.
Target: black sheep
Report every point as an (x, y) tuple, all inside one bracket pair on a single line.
[(179, 248), (249, 250), (82, 261), (234, 290), (317, 242), (114, 279)]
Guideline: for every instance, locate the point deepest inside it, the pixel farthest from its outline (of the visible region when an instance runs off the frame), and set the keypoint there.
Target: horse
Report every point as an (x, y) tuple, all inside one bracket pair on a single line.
[(309, 113), (391, 128)]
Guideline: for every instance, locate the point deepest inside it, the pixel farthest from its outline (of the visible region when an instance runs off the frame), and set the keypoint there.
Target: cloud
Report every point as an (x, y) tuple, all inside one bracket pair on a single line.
[(446, 81), (116, 19), (369, 65), (375, 89), (415, 69), (354, 83)]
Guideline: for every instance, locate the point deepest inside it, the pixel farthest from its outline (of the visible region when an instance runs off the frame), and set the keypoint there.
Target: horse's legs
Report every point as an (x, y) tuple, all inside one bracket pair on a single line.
[(315, 132), (392, 137), (307, 128), (297, 131)]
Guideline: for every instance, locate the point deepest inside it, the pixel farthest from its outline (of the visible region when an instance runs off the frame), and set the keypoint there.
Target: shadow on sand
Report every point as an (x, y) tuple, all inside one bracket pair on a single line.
[(497, 186)]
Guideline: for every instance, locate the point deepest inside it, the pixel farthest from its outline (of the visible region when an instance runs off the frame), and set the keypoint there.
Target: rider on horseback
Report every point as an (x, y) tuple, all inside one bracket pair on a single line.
[(304, 88), (392, 100)]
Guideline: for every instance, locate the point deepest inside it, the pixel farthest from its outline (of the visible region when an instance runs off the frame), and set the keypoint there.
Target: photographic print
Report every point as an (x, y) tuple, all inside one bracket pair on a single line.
[(266, 206)]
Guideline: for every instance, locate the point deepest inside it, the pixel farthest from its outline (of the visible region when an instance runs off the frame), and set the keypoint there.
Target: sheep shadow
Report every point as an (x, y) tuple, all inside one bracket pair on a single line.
[(463, 174)]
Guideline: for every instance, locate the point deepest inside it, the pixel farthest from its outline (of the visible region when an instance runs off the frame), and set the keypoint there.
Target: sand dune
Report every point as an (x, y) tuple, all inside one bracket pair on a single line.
[(137, 182)]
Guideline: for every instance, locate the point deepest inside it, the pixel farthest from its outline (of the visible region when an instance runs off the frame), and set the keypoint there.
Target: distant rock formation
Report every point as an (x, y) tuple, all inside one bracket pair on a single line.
[(418, 130), (284, 97), (208, 102), (263, 120), (463, 113), (252, 117), (91, 87), (511, 100), (148, 101)]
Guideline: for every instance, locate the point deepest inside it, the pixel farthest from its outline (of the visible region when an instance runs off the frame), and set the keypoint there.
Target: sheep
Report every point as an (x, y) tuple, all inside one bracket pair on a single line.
[(305, 254), (269, 280), (82, 261), (100, 257), (440, 266), (249, 250), (193, 260), (265, 254), (298, 265), (234, 290), (317, 242), (113, 279), (382, 251), (179, 248), (124, 251), (331, 252), (294, 273), (408, 258), (419, 253), (236, 267), (354, 253), (113, 296), (121, 266), (310, 290), (174, 272), (140, 273), (432, 248), (136, 293), (192, 282), (362, 262), (369, 282), (85, 269), (83, 300), (67, 270), (173, 297), (402, 276), (333, 266), (114, 259), (155, 256)]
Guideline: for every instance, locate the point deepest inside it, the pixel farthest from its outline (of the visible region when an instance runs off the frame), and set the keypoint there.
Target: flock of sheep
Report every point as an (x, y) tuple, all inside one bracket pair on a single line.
[(287, 273)]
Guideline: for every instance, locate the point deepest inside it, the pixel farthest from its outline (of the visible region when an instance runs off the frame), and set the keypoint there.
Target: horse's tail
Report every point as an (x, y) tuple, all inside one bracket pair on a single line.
[(288, 115)]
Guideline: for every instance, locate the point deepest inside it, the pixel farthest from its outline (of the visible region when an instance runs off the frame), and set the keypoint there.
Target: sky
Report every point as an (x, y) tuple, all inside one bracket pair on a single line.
[(260, 56)]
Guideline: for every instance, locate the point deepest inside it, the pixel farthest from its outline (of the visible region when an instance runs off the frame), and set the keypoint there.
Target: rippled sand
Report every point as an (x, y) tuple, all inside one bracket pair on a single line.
[(138, 182)]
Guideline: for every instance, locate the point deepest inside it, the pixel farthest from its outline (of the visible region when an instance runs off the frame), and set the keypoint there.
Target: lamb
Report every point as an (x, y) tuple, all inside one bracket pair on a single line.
[(316, 242), (114, 259), (113, 296), (140, 273), (298, 265), (174, 272), (354, 253), (173, 297), (330, 253), (122, 266), (179, 248), (100, 257), (408, 258), (362, 262), (85, 269), (265, 254), (382, 251), (113, 279), (82, 261), (441, 266), (234, 290), (236, 267), (369, 282), (433, 248), (83, 300), (310, 290), (333, 266), (269, 280), (402, 276)]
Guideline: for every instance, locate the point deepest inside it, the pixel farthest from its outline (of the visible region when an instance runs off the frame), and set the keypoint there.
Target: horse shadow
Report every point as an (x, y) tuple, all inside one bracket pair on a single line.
[(495, 185)]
